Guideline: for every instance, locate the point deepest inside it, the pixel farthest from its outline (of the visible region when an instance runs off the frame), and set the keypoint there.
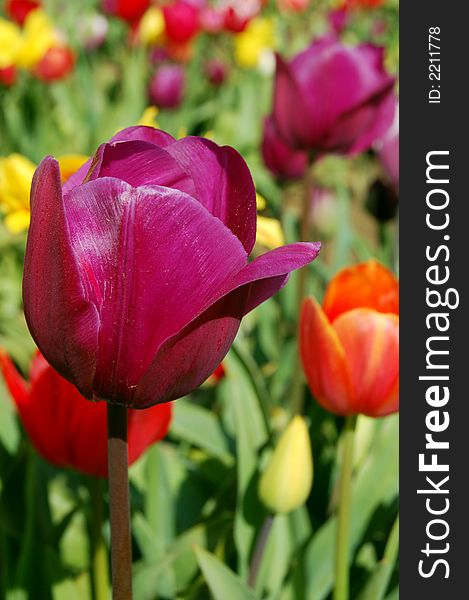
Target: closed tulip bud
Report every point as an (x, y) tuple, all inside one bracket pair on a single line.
[(181, 21), (286, 483), (333, 98), (216, 72), (92, 30), (18, 10), (128, 10), (57, 63), (145, 254), (282, 160), (151, 26), (167, 86), (8, 75), (350, 345), (68, 430)]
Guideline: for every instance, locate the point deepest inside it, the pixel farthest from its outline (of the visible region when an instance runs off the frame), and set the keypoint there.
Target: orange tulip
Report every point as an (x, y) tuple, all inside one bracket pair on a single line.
[(350, 345)]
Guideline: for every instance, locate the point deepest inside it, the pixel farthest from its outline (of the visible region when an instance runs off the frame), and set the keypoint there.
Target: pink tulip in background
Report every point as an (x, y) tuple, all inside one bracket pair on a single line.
[(167, 86), (145, 253), (333, 98)]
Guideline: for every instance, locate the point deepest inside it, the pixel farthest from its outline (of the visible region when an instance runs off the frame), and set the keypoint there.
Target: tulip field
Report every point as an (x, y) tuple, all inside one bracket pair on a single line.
[(199, 300)]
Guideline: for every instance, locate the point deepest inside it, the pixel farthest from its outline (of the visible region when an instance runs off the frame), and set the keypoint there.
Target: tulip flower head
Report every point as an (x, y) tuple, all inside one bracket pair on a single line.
[(68, 430), (286, 483), (145, 254), (18, 10), (333, 98), (350, 345), (167, 86), (181, 21)]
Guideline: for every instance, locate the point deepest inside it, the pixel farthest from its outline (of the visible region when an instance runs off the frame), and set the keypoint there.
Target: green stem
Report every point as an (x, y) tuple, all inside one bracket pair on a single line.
[(99, 562), (341, 590), (259, 550), (119, 503), (305, 231)]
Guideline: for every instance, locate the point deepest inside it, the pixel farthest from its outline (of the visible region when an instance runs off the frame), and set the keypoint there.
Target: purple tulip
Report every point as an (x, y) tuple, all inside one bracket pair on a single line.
[(333, 98), (282, 160), (167, 86), (136, 271)]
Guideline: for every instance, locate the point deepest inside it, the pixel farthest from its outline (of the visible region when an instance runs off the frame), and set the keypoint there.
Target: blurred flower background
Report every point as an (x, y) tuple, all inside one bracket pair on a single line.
[(225, 505)]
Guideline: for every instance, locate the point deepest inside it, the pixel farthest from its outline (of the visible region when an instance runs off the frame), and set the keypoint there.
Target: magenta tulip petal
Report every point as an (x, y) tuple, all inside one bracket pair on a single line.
[(223, 184), (142, 133), (148, 256), (187, 359), (184, 361), (296, 126), (62, 319), (374, 119), (139, 163), (268, 273)]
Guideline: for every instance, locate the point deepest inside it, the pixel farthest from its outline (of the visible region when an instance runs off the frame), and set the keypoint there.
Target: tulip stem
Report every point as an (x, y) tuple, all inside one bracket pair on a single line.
[(305, 230), (119, 503), (259, 550), (99, 562), (341, 590)]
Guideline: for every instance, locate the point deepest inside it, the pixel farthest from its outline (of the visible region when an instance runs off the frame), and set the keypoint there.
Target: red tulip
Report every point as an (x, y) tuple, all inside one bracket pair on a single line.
[(136, 271), (68, 430), (216, 72), (350, 346), (181, 21), (128, 10), (333, 98), (18, 10), (57, 63), (282, 160), (8, 75), (363, 3)]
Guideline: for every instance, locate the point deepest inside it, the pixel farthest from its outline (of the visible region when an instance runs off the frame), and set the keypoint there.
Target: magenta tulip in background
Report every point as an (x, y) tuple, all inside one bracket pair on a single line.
[(333, 98), (282, 161), (136, 271), (167, 86)]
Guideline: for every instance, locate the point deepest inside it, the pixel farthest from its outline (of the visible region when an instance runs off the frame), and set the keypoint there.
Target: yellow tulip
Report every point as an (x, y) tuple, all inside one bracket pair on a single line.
[(286, 483), (38, 36), (269, 231), (10, 43), (151, 27), (69, 163), (254, 41), (16, 174)]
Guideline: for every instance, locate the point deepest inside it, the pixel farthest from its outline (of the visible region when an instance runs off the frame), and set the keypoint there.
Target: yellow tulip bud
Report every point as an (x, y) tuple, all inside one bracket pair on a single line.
[(286, 483), (148, 117), (250, 44), (38, 36), (151, 27), (10, 43)]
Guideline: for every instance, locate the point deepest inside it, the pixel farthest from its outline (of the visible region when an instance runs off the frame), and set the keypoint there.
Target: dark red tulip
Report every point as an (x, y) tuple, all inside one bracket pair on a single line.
[(57, 63), (68, 430), (333, 98), (144, 251), (235, 22), (128, 10), (167, 86), (8, 75), (181, 21), (18, 10), (282, 160)]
